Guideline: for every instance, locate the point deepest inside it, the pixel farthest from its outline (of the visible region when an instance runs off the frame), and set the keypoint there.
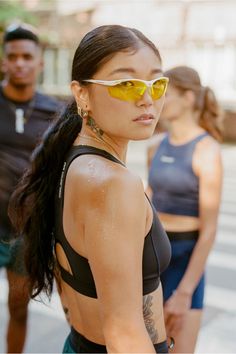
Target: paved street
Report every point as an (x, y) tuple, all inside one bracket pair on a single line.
[(47, 328)]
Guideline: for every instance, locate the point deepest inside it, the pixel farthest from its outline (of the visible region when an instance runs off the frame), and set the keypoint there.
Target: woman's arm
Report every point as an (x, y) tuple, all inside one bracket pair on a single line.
[(209, 168), (210, 186), (114, 237)]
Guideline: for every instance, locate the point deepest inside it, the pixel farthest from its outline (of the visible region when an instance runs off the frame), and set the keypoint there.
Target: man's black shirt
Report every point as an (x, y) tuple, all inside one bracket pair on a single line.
[(16, 148)]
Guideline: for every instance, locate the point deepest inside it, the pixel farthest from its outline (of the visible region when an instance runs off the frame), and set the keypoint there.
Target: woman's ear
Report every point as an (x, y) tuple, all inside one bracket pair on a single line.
[(80, 93), (190, 98)]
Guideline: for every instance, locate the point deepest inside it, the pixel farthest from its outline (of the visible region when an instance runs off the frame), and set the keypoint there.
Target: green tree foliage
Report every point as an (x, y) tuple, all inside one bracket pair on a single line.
[(11, 11)]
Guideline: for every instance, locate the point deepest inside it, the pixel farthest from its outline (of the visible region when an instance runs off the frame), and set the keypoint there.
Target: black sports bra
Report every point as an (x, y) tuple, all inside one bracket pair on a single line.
[(156, 252)]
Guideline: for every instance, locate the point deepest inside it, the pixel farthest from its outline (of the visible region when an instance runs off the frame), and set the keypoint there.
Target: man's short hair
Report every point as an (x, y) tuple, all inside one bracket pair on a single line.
[(20, 31)]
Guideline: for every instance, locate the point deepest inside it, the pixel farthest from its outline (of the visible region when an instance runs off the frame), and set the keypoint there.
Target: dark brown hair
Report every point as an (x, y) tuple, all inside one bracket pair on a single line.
[(185, 78), (19, 32), (32, 205)]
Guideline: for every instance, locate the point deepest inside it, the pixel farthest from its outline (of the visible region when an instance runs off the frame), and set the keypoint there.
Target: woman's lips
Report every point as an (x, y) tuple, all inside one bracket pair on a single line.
[(144, 119)]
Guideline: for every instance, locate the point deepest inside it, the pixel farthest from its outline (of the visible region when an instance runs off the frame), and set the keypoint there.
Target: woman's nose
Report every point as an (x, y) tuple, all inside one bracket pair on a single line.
[(146, 99)]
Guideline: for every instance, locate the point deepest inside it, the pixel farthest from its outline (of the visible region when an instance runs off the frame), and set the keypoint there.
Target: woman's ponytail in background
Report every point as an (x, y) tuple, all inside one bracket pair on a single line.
[(211, 114), (185, 78)]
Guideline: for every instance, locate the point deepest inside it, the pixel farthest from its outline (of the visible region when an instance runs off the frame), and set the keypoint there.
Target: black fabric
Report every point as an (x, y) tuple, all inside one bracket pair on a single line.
[(80, 344), (20, 32), (156, 253), (183, 235), (16, 148), (174, 184)]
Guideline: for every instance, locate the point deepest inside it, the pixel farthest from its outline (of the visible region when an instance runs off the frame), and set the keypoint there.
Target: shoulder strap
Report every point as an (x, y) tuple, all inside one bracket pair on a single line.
[(81, 287), (79, 150), (91, 150), (200, 137), (192, 144)]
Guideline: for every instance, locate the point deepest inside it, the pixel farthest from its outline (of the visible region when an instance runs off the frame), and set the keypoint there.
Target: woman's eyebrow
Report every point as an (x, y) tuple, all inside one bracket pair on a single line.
[(123, 70), (132, 71)]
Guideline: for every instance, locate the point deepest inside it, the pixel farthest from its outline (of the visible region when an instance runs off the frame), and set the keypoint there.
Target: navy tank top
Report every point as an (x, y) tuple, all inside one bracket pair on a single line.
[(156, 253), (174, 185)]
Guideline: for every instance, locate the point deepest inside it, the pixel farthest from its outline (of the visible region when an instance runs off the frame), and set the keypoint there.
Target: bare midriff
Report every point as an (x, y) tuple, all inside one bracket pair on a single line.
[(84, 314), (179, 223)]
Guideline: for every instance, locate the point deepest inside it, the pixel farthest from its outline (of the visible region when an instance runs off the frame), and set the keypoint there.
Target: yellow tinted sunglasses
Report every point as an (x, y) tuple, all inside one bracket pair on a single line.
[(134, 89)]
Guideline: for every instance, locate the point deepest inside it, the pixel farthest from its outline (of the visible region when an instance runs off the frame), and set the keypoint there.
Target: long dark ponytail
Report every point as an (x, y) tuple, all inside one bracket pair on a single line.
[(32, 205), (185, 78)]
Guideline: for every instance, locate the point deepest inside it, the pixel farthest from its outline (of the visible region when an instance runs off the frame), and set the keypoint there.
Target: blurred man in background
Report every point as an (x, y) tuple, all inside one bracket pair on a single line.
[(24, 115)]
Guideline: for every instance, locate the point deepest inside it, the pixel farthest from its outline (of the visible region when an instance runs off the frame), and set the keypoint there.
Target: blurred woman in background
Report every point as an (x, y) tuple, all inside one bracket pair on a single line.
[(185, 179)]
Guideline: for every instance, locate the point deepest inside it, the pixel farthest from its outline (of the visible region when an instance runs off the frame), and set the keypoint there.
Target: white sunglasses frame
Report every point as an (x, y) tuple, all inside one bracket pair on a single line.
[(117, 82)]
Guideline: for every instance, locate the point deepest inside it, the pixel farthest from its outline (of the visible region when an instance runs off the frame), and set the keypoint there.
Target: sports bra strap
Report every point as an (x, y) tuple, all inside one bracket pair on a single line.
[(80, 286), (78, 150)]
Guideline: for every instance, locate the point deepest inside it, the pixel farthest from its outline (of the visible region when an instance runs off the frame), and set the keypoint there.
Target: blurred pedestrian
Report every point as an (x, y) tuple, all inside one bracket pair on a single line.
[(25, 114), (185, 178), (109, 244)]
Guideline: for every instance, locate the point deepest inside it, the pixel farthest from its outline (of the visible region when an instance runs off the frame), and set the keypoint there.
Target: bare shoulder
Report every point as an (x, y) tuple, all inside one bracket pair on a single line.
[(121, 181), (113, 198), (208, 147), (207, 155), (97, 179)]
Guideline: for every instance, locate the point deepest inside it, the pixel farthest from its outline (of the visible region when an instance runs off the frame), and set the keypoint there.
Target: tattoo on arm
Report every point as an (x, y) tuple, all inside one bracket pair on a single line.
[(148, 318)]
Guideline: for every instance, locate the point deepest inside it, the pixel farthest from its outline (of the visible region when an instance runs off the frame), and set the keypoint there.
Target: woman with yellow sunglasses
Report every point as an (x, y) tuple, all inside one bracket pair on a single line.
[(80, 201)]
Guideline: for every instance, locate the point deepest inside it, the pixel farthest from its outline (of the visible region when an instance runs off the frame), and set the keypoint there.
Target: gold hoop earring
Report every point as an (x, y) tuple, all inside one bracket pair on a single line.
[(82, 113)]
